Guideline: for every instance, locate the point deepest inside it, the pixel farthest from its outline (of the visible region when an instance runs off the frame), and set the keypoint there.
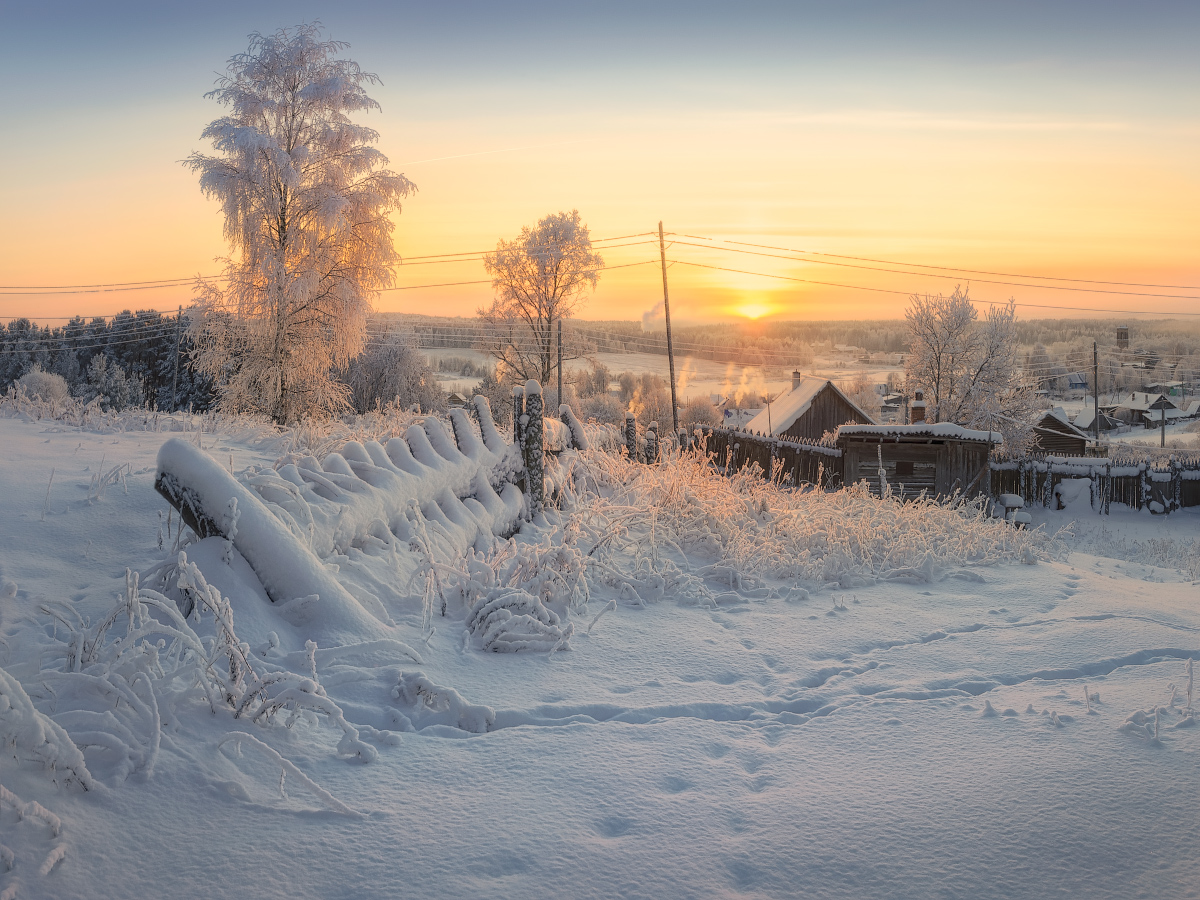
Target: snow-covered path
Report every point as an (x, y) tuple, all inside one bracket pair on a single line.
[(898, 740)]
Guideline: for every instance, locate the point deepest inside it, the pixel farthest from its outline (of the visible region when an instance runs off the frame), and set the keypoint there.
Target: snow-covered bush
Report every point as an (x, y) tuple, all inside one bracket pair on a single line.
[(45, 386)]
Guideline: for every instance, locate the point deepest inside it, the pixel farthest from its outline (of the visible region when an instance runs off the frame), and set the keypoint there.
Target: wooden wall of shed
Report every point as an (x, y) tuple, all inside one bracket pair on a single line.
[(827, 412), (1059, 444), (940, 467)]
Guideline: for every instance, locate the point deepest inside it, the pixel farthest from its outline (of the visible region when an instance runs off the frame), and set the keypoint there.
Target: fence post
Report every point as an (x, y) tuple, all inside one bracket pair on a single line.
[(1108, 486), (631, 437), (532, 450), (652, 442), (1048, 486), (1143, 485), (1176, 485)]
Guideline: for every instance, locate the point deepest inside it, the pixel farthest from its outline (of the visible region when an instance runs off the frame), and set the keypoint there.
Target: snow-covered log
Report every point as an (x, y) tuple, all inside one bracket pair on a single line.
[(290, 572)]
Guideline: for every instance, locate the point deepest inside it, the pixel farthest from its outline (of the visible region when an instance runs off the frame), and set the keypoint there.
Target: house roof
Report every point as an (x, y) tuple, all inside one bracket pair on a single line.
[(1086, 419), (1139, 401), (924, 429), (781, 414)]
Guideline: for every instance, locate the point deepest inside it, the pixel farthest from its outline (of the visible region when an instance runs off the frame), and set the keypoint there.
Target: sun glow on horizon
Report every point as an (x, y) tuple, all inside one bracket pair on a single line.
[(753, 309)]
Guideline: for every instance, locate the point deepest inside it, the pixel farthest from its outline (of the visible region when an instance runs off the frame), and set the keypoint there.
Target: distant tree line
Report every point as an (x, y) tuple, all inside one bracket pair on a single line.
[(128, 360)]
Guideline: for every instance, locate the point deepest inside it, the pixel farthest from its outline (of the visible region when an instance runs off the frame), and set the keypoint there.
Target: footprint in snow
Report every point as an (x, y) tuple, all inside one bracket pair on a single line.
[(614, 826), (674, 784)]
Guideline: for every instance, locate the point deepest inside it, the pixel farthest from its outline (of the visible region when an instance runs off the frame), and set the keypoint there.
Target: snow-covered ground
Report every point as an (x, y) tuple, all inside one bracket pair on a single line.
[(964, 729)]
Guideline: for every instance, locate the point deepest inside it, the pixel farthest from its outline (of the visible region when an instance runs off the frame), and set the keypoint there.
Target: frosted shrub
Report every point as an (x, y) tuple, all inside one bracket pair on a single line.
[(44, 386)]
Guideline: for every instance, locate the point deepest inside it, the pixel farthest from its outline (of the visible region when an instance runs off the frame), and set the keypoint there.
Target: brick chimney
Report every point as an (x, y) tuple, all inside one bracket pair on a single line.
[(917, 409), (796, 376)]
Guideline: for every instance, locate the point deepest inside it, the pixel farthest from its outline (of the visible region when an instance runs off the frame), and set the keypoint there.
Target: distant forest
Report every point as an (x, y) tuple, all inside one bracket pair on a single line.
[(128, 360), (131, 359)]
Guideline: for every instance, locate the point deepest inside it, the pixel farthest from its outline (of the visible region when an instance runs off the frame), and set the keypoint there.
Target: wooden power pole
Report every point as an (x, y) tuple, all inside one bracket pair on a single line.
[(1096, 392), (662, 253), (175, 380)]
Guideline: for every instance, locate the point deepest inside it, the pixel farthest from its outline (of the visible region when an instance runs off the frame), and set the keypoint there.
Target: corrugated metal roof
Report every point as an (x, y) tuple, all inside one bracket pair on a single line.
[(924, 429)]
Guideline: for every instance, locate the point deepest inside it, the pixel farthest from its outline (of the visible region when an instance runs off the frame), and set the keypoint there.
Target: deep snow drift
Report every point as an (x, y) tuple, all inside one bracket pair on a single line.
[(725, 691)]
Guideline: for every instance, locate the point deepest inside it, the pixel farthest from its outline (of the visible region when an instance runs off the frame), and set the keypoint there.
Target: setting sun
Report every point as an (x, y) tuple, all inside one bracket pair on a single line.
[(753, 309)]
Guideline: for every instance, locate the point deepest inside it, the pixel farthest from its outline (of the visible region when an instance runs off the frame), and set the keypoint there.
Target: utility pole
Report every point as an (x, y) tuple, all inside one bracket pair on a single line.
[(175, 380), (662, 253), (560, 396), (1096, 392)]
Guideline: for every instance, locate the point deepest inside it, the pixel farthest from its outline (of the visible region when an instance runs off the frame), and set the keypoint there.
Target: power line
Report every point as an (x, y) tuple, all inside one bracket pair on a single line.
[(1184, 287), (151, 284), (859, 287), (825, 262)]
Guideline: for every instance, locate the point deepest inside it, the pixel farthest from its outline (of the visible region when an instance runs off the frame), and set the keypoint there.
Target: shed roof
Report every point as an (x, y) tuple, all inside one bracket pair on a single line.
[(1056, 421), (781, 414), (924, 429)]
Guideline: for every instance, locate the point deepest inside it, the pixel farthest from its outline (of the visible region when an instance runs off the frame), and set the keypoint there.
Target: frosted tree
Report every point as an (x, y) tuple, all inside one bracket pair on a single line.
[(969, 369), (392, 370), (540, 278), (306, 200)]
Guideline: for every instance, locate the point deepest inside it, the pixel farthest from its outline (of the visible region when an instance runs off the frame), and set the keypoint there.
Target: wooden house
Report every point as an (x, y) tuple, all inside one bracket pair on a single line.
[(1086, 422), (1139, 408), (939, 459), (812, 407), (1055, 434)]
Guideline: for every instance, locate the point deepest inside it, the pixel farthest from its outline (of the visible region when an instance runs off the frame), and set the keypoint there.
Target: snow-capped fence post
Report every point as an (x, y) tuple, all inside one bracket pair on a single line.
[(1048, 486), (1094, 488), (652, 442), (1176, 496), (1143, 485), (685, 442), (518, 411), (579, 440), (532, 449), (631, 446), (1108, 486)]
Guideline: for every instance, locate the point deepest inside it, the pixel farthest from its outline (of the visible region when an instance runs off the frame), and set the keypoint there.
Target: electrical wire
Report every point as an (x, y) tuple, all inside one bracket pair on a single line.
[(1050, 287), (889, 262)]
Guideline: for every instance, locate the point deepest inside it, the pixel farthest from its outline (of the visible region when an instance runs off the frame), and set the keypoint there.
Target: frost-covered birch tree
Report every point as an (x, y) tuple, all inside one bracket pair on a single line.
[(540, 278), (306, 199), (969, 369)]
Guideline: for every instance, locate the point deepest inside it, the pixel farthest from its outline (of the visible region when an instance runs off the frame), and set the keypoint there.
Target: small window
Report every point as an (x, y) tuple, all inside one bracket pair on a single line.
[(904, 469)]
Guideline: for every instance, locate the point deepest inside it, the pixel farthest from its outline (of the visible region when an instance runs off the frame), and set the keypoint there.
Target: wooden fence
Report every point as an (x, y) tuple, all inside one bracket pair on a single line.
[(788, 462), (1138, 479)]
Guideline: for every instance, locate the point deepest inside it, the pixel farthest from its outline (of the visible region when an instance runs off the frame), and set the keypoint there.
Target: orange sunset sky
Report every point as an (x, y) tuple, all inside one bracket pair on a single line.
[(1059, 142)]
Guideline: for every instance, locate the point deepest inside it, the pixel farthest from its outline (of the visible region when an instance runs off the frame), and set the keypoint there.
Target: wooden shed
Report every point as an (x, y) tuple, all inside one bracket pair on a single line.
[(1055, 434), (812, 407), (937, 458)]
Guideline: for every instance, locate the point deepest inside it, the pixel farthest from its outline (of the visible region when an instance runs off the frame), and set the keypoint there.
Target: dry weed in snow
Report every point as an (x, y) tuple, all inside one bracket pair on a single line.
[(749, 528)]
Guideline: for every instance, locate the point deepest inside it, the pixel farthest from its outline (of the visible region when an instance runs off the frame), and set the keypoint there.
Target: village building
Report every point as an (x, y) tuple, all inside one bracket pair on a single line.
[(811, 408), (1086, 422), (1055, 434), (1138, 408), (937, 458)]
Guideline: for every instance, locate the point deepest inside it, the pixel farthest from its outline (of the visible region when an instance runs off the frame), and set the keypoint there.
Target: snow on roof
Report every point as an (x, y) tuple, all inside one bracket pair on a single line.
[(1139, 401), (1059, 417), (924, 429), (781, 414)]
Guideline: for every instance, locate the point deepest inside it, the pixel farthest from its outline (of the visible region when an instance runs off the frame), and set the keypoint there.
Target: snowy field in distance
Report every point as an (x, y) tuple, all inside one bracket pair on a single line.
[(694, 377), (924, 739)]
